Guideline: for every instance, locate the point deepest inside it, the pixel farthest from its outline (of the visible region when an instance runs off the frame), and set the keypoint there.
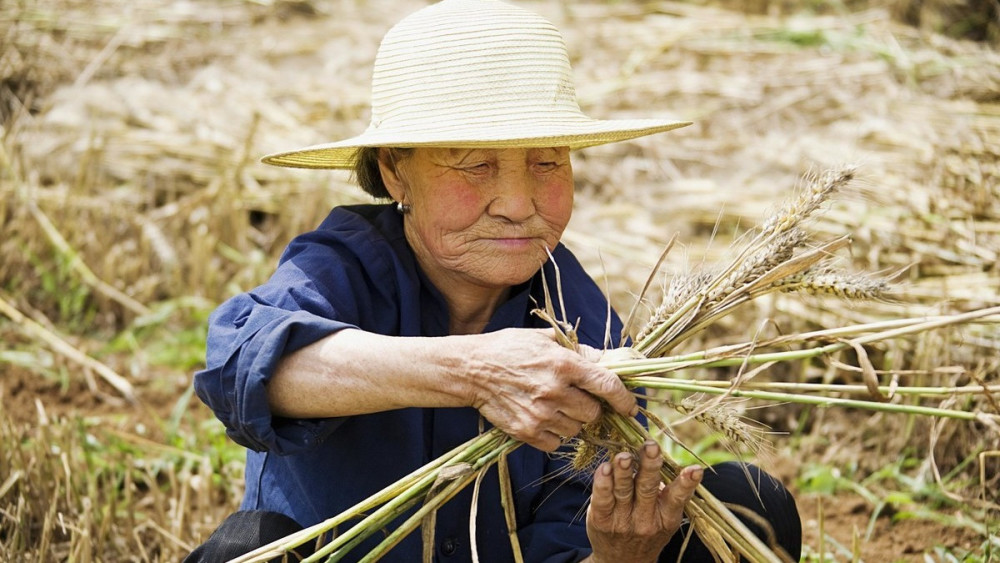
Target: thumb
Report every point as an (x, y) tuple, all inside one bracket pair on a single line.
[(620, 355), (590, 353)]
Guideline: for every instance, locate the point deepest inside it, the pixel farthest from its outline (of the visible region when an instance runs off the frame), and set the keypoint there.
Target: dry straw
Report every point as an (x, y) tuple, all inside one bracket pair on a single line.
[(159, 160)]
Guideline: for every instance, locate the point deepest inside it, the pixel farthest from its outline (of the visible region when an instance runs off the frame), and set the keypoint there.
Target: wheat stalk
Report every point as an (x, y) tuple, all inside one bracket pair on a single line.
[(725, 421), (763, 261), (384, 506)]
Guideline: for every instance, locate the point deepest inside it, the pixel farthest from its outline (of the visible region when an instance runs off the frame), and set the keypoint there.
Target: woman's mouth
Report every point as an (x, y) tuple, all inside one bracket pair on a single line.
[(515, 243)]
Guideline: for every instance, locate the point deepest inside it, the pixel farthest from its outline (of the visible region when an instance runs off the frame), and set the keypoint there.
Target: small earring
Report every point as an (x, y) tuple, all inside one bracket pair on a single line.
[(402, 208)]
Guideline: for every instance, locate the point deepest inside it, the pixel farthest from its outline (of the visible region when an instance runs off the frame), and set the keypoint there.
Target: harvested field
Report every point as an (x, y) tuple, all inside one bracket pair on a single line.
[(132, 202)]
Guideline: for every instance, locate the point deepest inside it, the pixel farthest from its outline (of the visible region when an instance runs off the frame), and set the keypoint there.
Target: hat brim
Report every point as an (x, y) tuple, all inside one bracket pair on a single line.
[(575, 135)]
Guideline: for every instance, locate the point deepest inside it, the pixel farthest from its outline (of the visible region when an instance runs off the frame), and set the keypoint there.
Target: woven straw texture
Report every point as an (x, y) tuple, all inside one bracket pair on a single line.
[(473, 73)]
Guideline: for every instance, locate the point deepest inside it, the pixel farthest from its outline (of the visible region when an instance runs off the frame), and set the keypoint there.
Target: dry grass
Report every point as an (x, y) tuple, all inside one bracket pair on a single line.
[(82, 490), (129, 181)]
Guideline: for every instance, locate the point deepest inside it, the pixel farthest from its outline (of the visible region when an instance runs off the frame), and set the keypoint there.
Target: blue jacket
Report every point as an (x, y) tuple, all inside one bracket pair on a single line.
[(356, 270)]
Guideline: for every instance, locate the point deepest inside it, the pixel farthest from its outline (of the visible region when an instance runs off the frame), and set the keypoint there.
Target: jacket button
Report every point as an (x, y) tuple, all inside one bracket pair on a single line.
[(449, 546)]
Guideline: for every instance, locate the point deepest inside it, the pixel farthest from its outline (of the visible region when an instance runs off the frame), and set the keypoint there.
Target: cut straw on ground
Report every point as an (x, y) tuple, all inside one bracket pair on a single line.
[(148, 177)]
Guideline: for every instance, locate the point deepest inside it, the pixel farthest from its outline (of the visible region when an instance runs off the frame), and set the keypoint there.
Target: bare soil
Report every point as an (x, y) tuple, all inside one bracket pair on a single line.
[(178, 105), (845, 519)]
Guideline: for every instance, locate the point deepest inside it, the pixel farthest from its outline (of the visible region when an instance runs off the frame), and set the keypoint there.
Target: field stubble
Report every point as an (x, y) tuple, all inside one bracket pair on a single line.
[(132, 201)]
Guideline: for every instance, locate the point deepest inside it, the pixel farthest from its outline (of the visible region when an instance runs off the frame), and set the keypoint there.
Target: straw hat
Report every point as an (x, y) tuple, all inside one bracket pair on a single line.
[(473, 73)]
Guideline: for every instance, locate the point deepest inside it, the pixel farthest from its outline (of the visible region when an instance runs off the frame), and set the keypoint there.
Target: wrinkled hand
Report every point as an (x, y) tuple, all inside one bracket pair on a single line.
[(535, 390), (632, 515)]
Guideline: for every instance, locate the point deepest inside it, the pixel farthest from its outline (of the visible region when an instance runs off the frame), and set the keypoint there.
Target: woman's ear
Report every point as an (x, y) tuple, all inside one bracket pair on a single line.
[(391, 177)]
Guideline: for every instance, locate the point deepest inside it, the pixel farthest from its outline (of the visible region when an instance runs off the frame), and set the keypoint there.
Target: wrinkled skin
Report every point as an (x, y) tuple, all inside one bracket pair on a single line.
[(632, 514), (481, 220)]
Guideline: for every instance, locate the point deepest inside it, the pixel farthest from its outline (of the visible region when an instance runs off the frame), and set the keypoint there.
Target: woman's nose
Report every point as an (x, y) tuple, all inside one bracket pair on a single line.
[(514, 196)]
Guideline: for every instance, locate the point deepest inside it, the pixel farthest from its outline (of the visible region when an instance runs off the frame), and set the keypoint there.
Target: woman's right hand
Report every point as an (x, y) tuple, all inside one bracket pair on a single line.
[(537, 391)]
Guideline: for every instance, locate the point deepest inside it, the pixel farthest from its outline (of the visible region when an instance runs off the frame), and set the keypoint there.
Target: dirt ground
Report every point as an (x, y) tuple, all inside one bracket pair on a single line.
[(846, 518), (180, 97)]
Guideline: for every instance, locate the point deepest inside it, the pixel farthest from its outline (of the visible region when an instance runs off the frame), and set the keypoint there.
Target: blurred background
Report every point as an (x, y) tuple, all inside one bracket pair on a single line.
[(132, 202)]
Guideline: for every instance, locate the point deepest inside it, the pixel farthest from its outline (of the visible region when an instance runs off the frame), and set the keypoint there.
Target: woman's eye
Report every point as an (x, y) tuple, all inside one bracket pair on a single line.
[(547, 166), (480, 168)]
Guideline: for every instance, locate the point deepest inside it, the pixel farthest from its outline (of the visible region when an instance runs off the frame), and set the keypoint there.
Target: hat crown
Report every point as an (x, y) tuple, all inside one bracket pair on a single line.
[(471, 61), (473, 73)]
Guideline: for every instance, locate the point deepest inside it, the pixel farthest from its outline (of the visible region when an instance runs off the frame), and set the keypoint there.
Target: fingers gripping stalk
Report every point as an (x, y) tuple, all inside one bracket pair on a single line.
[(537, 391)]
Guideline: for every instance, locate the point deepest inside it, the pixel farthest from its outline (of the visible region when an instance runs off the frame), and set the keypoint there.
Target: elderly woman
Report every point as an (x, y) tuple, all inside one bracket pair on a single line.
[(389, 332)]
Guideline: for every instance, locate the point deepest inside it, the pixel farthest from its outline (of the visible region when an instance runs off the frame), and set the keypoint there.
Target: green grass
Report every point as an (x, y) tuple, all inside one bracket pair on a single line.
[(114, 487), (173, 335), (899, 492)]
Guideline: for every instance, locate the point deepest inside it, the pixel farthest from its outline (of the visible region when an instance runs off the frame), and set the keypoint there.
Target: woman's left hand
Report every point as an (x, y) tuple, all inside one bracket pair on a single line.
[(632, 514)]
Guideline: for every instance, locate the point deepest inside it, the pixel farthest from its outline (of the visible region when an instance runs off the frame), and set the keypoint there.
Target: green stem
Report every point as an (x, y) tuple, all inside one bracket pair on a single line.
[(507, 503), (937, 322), (649, 366), (482, 463), (674, 385), (824, 387), (394, 490), (381, 517), (715, 515), (876, 331)]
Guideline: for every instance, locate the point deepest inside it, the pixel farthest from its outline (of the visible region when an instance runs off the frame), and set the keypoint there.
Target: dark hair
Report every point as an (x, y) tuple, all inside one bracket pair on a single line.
[(367, 173)]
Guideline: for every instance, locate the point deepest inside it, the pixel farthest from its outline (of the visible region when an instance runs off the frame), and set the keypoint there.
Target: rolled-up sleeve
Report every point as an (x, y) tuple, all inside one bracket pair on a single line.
[(323, 284), (246, 340)]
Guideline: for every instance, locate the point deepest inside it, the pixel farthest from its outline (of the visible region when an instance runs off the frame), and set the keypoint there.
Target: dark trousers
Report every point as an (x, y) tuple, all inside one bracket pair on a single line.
[(740, 484), (734, 483)]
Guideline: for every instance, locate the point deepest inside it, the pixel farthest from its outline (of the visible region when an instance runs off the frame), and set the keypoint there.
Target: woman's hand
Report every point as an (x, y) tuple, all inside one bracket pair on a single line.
[(632, 515), (537, 391)]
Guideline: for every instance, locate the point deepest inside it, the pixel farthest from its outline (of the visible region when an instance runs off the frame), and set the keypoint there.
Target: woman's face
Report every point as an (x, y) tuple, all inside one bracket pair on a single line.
[(483, 216)]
